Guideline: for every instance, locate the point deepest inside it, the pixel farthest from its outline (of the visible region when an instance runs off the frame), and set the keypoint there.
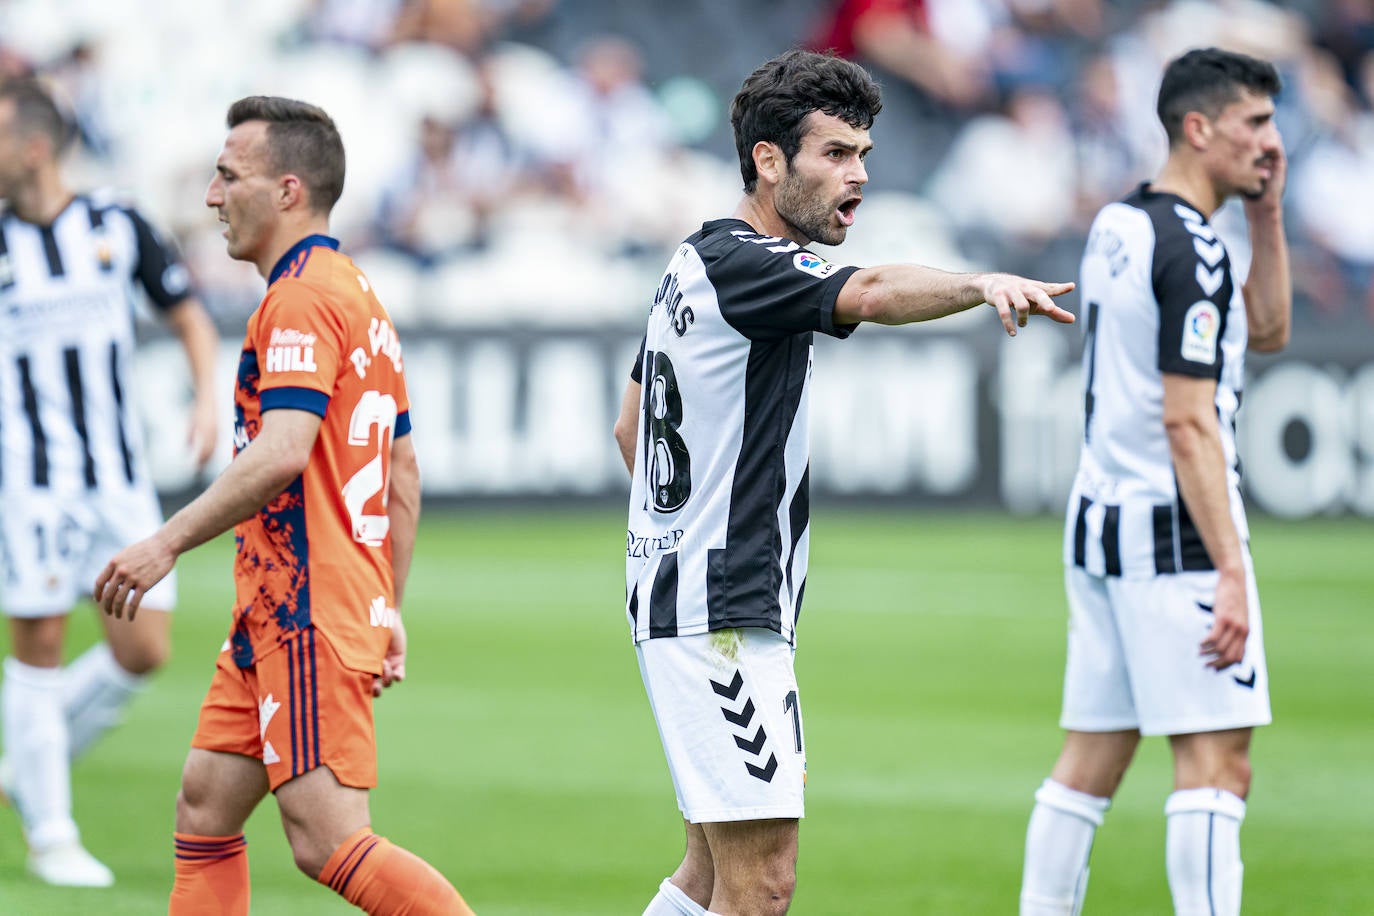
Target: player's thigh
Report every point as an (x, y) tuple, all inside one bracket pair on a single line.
[(218, 792), (37, 641), (729, 715), (1163, 621), (1097, 686)]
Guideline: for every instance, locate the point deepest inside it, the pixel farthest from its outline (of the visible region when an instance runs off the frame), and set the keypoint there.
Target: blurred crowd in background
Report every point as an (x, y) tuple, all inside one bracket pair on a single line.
[(538, 160)]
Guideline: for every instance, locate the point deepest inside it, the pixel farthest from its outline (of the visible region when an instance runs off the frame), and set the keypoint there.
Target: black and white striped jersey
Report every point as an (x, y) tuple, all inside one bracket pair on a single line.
[(66, 336), (719, 513), (1159, 296)]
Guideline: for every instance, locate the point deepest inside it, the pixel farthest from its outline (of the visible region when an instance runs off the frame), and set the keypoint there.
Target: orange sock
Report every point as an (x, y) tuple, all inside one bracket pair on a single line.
[(371, 872), (211, 876)]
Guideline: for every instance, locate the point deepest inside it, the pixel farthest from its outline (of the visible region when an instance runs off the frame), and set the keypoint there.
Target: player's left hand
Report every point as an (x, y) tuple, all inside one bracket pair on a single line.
[(394, 662), (120, 587), (203, 431), (1017, 298)]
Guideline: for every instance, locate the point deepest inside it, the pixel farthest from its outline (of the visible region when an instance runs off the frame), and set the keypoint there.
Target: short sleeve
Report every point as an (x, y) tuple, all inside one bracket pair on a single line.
[(299, 342), (158, 265), (1192, 283), (769, 287), (637, 370)]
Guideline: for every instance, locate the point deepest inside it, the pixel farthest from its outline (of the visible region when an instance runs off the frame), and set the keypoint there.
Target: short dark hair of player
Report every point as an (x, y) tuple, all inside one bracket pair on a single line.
[(302, 140), (777, 97), (35, 111), (1206, 80)]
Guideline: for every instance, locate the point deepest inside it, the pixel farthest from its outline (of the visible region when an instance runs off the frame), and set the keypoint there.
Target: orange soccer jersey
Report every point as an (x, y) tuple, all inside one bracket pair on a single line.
[(319, 554)]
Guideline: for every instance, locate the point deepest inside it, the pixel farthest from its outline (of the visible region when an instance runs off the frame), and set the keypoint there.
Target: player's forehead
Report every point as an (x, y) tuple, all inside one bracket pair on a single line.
[(245, 148), (825, 130), (1248, 104)]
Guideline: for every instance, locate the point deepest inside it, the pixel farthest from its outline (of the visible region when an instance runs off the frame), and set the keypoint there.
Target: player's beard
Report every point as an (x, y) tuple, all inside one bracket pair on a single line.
[(803, 208)]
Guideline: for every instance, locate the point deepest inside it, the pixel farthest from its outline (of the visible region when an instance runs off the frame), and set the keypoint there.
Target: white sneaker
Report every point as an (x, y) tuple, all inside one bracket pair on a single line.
[(69, 865)]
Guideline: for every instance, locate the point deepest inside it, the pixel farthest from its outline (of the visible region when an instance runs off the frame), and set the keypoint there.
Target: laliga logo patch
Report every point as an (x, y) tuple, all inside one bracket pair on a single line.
[(1200, 327), (808, 263)]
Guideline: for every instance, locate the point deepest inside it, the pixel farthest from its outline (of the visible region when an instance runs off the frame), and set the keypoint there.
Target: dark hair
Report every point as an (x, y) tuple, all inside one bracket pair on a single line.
[(35, 110), (777, 97), (1206, 80), (301, 140)]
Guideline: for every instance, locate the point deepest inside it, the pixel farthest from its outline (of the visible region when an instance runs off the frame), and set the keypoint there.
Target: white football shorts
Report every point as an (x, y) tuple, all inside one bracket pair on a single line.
[(52, 547), (1134, 662), (728, 713)]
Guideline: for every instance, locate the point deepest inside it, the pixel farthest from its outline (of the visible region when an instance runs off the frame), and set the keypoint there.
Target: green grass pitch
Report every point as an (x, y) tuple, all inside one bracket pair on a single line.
[(521, 759)]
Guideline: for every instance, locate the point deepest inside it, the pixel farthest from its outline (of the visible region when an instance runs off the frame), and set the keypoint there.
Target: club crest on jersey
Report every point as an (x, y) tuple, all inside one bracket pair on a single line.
[(289, 350), (809, 263), (1201, 325)]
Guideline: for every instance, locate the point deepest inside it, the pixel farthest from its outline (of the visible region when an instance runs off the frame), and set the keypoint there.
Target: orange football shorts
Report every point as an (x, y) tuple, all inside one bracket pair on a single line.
[(296, 709)]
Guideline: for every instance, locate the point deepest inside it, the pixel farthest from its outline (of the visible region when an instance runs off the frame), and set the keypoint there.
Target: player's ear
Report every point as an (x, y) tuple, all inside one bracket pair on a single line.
[(291, 192), (1197, 130), (769, 161)]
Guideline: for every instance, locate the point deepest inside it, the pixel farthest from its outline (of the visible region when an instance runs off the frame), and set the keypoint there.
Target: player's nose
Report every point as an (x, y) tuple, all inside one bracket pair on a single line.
[(214, 194)]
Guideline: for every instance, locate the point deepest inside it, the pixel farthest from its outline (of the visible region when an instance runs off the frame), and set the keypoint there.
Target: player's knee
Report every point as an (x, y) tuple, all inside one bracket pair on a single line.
[(778, 883), (309, 858)]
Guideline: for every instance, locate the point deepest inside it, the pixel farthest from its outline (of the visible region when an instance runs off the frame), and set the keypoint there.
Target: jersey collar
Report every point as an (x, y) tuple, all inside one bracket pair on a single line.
[(298, 254)]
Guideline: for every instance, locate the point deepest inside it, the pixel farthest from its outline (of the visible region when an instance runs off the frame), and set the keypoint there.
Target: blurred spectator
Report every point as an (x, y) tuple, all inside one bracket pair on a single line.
[(77, 79), (1346, 29), (896, 37), (468, 26), (443, 200), (1332, 193), (1009, 180), (360, 23), (1107, 167)]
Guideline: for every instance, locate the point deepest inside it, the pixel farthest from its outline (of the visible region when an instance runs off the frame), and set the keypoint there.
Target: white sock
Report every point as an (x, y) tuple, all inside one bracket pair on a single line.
[(1058, 842), (35, 735), (95, 693), (1202, 851), (671, 900)]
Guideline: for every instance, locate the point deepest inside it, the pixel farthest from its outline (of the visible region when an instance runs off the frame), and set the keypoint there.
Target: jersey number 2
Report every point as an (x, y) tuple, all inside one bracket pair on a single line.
[(379, 410), (666, 459)]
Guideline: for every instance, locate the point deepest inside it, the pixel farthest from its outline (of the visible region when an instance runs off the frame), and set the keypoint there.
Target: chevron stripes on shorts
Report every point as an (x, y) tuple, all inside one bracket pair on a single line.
[(729, 716)]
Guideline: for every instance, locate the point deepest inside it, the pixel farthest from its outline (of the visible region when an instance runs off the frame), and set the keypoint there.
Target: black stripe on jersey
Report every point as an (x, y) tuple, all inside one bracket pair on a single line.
[(1111, 540), (72, 358), (663, 598), (50, 249), (798, 515), (40, 441), (1191, 550), (633, 604), (119, 413), (743, 577), (1080, 533), (1164, 540)]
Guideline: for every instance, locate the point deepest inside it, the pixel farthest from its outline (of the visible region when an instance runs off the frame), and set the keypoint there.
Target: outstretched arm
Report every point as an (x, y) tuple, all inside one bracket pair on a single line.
[(275, 457), (191, 324), (904, 293)]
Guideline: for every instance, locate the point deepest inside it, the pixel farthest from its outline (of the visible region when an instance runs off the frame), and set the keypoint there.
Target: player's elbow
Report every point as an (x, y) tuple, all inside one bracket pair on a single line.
[(626, 429), (1271, 341), (864, 297)]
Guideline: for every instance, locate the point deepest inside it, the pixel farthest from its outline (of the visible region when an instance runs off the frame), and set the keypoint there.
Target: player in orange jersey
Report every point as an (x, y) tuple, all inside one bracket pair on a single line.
[(324, 495)]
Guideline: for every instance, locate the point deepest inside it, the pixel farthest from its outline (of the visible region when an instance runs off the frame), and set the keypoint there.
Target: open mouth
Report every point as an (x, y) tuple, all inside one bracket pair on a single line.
[(846, 210)]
